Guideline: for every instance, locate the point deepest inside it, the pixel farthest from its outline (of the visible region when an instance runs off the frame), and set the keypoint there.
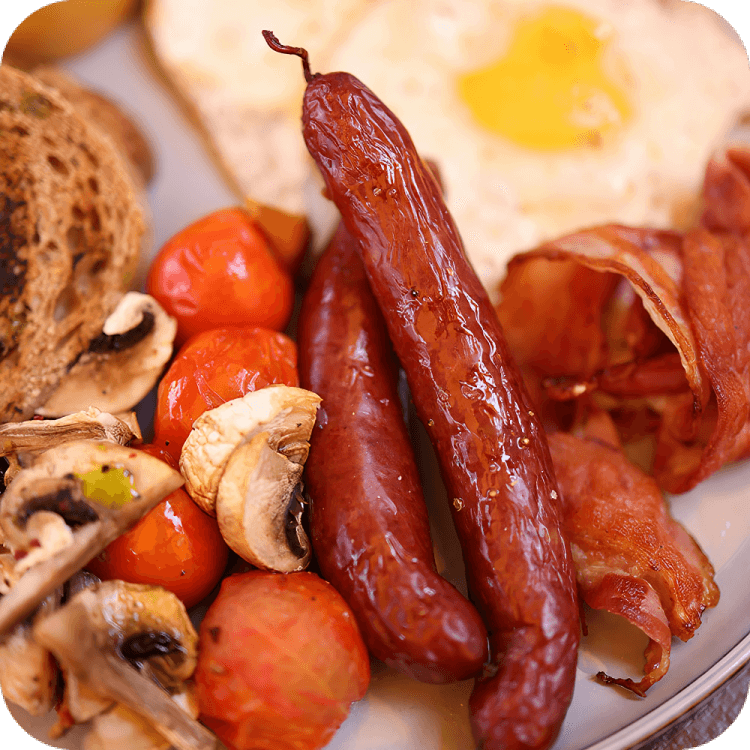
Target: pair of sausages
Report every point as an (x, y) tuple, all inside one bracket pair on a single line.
[(492, 450), (368, 522)]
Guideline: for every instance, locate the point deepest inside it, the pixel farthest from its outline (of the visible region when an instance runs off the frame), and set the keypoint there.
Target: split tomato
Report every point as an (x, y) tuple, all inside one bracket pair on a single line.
[(175, 546), (218, 366), (221, 271)]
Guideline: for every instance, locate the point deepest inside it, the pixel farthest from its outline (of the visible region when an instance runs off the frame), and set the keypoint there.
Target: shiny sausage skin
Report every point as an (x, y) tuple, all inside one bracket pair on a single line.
[(368, 521), (493, 453)]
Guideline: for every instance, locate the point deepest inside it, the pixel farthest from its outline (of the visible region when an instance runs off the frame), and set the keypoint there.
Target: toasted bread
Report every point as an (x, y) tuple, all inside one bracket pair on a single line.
[(107, 116), (70, 234), (64, 28)]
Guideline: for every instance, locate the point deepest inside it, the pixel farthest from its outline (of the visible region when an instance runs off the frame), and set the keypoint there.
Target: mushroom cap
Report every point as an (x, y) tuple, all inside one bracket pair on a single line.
[(286, 413), (122, 364), (134, 645)]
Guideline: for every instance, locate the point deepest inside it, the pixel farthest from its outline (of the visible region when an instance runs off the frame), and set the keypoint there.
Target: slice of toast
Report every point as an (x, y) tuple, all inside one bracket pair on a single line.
[(70, 234), (245, 99)]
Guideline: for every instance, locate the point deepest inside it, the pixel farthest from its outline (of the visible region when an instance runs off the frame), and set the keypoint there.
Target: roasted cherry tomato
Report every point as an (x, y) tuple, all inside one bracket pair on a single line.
[(218, 366), (176, 546), (280, 662), (221, 271)]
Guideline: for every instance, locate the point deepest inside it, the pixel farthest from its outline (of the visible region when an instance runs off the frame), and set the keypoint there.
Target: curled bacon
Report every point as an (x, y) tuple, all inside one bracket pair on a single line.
[(662, 374), (632, 559), (571, 326)]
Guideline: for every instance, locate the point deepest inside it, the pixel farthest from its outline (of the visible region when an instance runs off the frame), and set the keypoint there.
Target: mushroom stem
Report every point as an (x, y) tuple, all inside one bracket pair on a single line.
[(124, 684)]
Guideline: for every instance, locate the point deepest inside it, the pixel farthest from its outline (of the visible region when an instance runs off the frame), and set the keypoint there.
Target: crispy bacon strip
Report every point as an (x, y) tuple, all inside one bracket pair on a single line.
[(650, 260), (695, 287), (631, 557), (658, 375), (716, 268)]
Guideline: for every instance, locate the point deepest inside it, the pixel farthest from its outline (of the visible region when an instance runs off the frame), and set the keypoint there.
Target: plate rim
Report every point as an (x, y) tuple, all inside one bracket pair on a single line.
[(659, 719)]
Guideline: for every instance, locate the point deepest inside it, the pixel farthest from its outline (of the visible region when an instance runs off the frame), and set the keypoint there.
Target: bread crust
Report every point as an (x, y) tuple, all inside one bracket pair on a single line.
[(70, 234), (107, 116)]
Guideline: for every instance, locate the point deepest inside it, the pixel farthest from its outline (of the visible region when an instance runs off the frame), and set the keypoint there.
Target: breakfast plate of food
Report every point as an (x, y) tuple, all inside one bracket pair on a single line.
[(526, 529)]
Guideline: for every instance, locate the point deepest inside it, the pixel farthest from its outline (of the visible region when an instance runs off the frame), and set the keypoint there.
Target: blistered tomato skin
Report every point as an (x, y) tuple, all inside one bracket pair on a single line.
[(280, 662), (176, 545), (221, 271), (214, 367)]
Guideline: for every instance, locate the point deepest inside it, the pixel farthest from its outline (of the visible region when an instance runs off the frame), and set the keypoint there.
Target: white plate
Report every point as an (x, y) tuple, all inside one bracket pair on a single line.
[(397, 713)]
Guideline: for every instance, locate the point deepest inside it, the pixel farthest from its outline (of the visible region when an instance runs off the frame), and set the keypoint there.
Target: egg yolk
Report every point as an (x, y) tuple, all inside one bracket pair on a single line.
[(550, 90)]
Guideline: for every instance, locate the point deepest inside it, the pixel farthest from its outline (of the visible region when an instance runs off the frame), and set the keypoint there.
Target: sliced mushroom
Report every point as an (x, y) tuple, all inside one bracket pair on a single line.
[(134, 646), (28, 672), (9, 576), (28, 675), (13, 466), (4, 466), (119, 728), (259, 507), (21, 441), (243, 463), (122, 364), (287, 414), (66, 508), (130, 419), (38, 435), (81, 703)]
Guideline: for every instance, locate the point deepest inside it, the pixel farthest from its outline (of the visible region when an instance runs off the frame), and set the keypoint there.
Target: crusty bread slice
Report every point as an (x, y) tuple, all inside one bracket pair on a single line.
[(107, 116), (113, 123), (70, 233)]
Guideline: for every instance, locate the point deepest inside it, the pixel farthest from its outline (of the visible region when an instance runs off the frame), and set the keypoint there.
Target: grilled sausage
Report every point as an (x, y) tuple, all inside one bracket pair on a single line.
[(493, 453), (368, 522)]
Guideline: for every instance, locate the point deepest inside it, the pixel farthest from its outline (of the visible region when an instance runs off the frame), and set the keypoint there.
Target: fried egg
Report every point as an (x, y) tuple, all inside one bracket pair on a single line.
[(544, 117)]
